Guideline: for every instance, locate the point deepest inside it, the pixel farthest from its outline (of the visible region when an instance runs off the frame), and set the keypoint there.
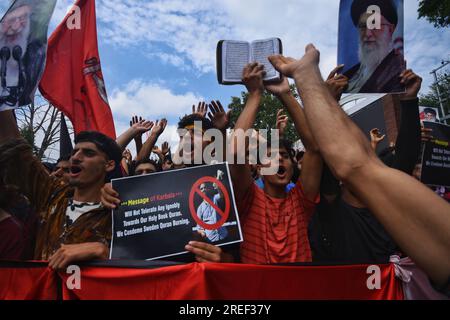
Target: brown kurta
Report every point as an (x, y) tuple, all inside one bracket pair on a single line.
[(49, 197)]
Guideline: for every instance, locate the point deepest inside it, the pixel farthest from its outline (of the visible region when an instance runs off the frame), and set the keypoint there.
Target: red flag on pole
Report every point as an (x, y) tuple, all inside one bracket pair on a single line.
[(73, 80)]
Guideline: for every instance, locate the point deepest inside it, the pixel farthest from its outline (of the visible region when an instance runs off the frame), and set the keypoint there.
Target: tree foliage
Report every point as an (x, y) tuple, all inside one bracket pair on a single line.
[(267, 115), (436, 12)]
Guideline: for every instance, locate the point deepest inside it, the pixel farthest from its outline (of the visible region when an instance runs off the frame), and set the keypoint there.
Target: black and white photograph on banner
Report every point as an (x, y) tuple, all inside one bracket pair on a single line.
[(160, 213), (371, 45), (23, 46)]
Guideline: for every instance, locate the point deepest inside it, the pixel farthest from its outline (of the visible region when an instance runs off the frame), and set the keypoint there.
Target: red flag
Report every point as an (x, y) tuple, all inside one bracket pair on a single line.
[(73, 80)]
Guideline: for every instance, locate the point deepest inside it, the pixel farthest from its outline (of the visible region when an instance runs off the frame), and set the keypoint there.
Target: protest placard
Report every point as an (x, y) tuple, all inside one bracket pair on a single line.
[(160, 213), (436, 156)]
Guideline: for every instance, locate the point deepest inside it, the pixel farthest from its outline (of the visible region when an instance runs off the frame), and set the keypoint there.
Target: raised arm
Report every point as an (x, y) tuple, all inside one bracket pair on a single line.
[(408, 141), (147, 148), (19, 167), (312, 162), (241, 173), (417, 219), (136, 129), (221, 121)]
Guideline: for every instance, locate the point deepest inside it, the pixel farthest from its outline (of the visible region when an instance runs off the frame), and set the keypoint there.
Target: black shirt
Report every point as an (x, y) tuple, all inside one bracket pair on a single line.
[(339, 232)]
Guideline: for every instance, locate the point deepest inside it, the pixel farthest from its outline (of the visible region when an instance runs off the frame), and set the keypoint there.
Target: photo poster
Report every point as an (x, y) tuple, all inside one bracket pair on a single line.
[(379, 45), (429, 114), (161, 212), (23, 49), (436, 156)]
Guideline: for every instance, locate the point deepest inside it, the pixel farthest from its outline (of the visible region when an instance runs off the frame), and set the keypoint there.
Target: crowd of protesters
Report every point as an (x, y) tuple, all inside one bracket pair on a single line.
[(336, 201)]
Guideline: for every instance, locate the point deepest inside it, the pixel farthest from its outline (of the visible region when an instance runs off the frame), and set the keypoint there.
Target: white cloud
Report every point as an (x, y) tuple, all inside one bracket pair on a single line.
[(191, 29), (150, 100)]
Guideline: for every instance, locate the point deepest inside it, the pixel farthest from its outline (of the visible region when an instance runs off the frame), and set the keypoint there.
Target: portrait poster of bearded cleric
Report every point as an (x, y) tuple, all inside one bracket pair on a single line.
[(23, 46), (370, 45)]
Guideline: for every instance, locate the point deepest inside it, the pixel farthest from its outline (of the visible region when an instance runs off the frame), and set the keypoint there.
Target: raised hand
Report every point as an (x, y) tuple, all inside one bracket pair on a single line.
[(201, 110), (252, 78), (337, 83), (280, 88), (157, 150), (165, 148), (282, 121), (376, 136), (159, 127), (293, 68), (140, 125), (127, 155), (412, 82), (218, 116)]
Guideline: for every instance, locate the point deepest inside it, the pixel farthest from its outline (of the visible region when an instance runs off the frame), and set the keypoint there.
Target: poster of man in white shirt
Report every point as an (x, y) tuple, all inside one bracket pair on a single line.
[(208, 214)]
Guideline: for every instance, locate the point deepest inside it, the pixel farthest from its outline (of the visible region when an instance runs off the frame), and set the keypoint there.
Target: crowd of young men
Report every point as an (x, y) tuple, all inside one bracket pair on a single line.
[(347, 204)]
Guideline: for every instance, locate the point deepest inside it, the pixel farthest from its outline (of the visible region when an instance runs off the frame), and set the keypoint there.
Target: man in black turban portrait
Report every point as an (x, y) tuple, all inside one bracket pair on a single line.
[(380, 65)]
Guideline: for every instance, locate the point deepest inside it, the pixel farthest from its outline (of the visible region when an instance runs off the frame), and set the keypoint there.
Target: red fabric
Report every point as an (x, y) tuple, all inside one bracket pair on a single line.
[(12, 240), (275, 230), (64, 84), (34, 283), (234, 282)]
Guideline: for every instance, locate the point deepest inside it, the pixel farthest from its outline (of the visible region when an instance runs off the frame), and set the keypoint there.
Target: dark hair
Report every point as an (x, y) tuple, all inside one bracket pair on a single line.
[(9, 195), (282, 144), (107, 146), (189, 120), (149, 161), (388, 10), (430, 110)]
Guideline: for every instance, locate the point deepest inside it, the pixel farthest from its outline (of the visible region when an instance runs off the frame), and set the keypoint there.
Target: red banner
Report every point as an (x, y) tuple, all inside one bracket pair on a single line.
[(33, 282), (235, 282), (198, 281)]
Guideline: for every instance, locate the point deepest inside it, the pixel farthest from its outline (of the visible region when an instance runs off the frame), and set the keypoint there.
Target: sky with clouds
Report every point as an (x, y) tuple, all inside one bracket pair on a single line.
[(158, 57)]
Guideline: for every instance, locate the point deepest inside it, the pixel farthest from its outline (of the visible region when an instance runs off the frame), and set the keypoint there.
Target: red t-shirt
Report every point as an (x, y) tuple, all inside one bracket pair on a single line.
[(275, 230)]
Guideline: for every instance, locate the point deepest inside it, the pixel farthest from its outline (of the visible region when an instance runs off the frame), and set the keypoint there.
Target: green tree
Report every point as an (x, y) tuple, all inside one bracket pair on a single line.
[(267, 115), (431, 99), (436, 12)]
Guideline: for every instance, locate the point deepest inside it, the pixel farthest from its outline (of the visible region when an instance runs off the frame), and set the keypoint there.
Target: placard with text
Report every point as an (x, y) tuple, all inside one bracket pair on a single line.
[(436, 156), (160, 213)]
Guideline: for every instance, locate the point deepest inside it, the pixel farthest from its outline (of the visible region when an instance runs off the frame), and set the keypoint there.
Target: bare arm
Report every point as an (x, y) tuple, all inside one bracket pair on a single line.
[(417, 219), (147, 148), (312, 162), (136, 129), (241, 173)]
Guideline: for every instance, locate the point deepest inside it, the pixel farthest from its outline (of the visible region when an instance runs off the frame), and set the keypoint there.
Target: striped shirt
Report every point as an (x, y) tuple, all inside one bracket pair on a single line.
[(275, 230)]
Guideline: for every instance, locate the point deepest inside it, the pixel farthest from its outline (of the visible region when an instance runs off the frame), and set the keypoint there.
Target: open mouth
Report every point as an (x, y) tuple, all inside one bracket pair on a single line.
[(281, 171), (75, 170)]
